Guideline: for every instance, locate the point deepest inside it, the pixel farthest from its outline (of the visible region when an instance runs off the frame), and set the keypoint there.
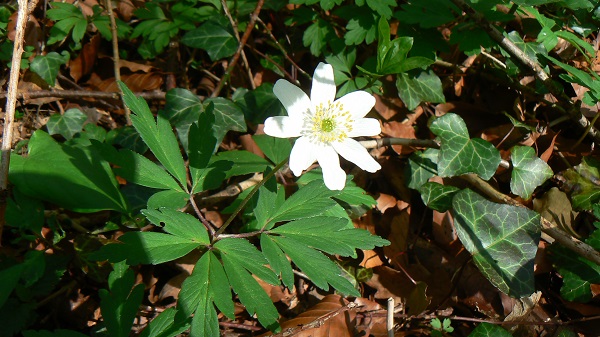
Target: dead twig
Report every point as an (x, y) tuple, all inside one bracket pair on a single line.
[(158, 95), (237, 36), (317, 322)]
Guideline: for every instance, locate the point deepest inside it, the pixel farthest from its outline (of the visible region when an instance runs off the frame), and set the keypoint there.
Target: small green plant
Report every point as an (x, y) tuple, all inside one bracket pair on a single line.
[(441, 328)]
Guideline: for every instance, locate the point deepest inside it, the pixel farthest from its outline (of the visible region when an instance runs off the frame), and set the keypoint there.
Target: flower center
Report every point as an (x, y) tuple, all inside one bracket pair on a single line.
[(329, 123)]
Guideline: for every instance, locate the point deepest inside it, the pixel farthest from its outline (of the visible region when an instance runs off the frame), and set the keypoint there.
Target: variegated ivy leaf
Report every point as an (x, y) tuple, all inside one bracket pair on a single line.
[(459, 154), (529, 171)]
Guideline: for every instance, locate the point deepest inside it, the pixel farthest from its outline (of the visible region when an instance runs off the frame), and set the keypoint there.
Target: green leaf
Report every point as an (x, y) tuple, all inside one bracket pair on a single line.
[(311, 200), (218, 41), (228, 116), (382, 7), (277, 260), (529, 171), (240, 162), (165, 324), (208, 284), (317, 35), (10, 278), (25, 213), (173, 199), (259, 104), (127, 137), (276, 149), (503, 240), (320, 269), (420, 86), (182, 109), (489, 330), (158, 135), (578, 274), (136, 168), (421, 167), (459, 154), (330, 235), (69, 176), (427, 13), (179, 224), (55, 333), (120, 305), (437, 196), (361, 27), (239, 258), (66, 125), (68, 17), (202, 145), (47, 66), (582, 182)]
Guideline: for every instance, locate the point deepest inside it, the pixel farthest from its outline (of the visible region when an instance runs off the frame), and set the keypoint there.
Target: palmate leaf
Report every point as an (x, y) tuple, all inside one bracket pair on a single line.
[(459, 154), (240, 260), (503, 240), (157, 134), (208, 284), (184, 233), (529, 171), (202, 145), (120, 304), (166, 324)]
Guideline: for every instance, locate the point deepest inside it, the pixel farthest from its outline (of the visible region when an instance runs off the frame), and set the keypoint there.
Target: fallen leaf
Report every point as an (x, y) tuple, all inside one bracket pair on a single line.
[(399, 130), (85, 61)]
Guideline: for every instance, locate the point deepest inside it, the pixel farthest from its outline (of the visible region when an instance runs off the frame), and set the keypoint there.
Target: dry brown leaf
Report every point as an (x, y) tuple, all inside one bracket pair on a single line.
[(388, 108), (341, 325), (385, 201), (135, 82), (399, 130), (125, 9), (33, 32), (370, 259), (250, 145), (85, 61)]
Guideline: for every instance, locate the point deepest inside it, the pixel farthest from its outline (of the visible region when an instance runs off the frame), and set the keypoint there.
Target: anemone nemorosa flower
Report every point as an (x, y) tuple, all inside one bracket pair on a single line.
[(324, 126)]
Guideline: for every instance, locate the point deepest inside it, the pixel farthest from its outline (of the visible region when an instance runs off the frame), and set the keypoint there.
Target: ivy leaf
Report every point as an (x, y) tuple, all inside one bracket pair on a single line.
[(158, 134), (529, 171), (421, 167), (182, 109), (120, 304), (228, 116), (127, 137), (459, 154), (489, 330), (68, 124), (240, 258), (47, 66), (259, 104), (503, 240), (578, 274), (437, 196), (419, 86), (218, 41), (582, 182)]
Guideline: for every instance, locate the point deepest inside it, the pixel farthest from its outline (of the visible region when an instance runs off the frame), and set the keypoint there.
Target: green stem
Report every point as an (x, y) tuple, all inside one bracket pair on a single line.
[(249, 196)]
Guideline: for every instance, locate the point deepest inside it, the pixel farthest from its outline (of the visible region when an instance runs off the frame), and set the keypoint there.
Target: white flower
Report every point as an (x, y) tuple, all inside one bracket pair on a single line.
[(324, 126)]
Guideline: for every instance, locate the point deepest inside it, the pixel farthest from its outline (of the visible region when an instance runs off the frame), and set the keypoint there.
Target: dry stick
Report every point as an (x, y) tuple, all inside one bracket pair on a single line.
[(568, 241), (237, 54), (390, 317), (538, 71), (9, 117), (115, 47), (237, 36), (316, 323), (159, 95)]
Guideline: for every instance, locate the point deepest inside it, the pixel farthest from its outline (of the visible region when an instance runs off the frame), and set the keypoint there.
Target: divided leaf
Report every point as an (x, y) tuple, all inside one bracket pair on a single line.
[(503, 240), (459, 154), (157, 134), (529, 171)]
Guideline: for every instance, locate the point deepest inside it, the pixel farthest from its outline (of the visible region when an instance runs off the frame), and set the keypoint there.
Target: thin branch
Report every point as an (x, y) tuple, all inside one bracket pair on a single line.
[(237, 36), (237, 54), (568, 241), (572, 110), (74, 94), (9, 117), (205, 222), (115, 48)]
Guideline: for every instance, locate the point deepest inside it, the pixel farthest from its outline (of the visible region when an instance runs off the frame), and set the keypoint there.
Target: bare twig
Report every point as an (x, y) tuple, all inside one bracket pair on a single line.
[(237, 36), (9, 117), (205, 222), (568, 241), (160, 95), (237, 54), (571, 109), (115, 47)]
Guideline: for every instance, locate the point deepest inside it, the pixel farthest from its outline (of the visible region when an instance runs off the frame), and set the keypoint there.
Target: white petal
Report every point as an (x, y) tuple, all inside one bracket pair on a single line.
[(295, 101), (323, 87), (359, 103), (302, 156), (333, 175), (365, 127), (351, 150), (283, 127)]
